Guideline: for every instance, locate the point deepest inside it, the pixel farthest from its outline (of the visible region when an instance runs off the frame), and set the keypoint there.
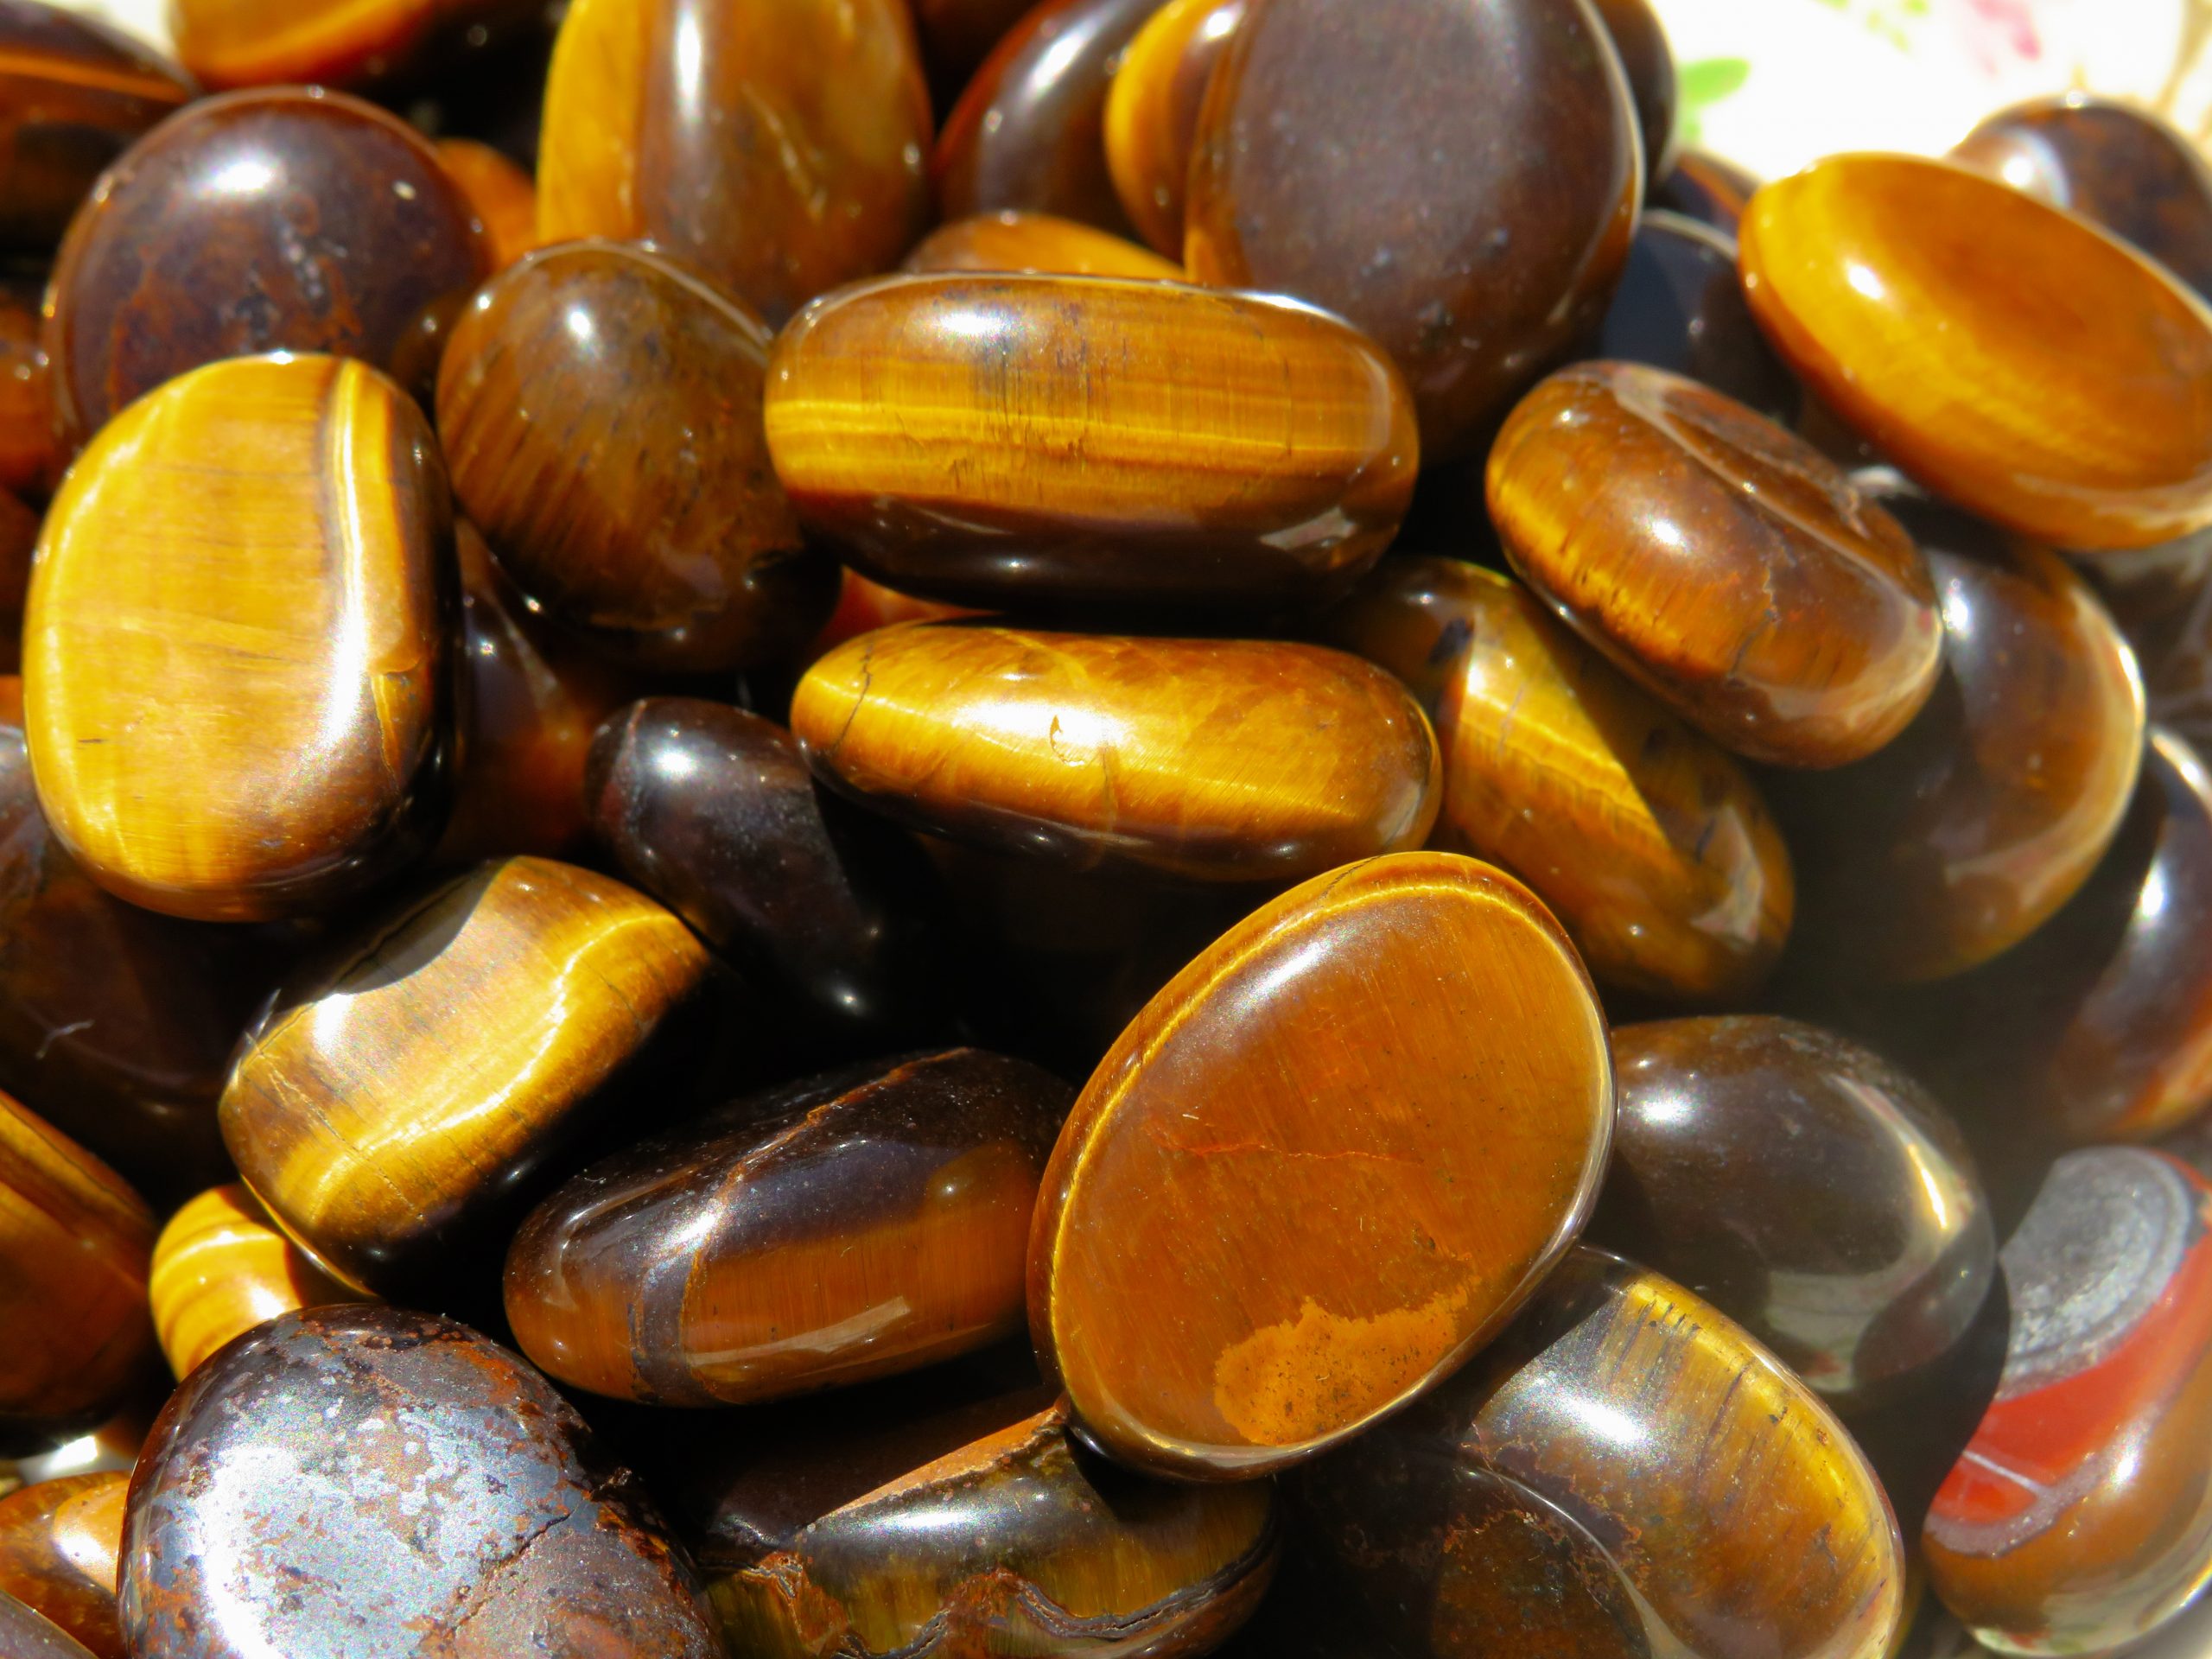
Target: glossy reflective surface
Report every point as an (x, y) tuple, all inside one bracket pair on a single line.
[(59, 1540), (30, 1637), (1624, 1472), (329, 42), (1331, 163), (1708, 189), (1151, 111), (778, 145), (1129, 442), (1652, 846), (286, 219), (30, 457), (1807, 1188), (865, 606), (712, 811), (1011, 240), (867, 1222), (440, 1492), (1718, 559), (503, 195), (73, 94), (2079, 1517), (294, 509), (2118, 165), (1680, 307), (1640, 39), (533, 696), (220, 1267), (74, 1244), (1029, 130), (2063, 401), (1320, 1167), (600, 410), (1991, 809), (1210, 759), (389, 1105)]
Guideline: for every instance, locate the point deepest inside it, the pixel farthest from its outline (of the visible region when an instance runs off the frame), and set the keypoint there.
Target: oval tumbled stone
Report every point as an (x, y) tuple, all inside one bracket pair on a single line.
[(376, 1483), (1326, 1162), (1091, 439), (1206, 759), (236, 655)]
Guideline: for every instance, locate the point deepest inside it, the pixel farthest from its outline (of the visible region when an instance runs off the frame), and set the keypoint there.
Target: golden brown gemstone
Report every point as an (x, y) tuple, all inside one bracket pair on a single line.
[(1334, 161), (74, 94), (1963, 835), (866, 1222), (1151, 111), (2061, 394), (1652, 846), (1028, 132), (389, 1106), (1624, 1472), (1010, 241), (439, 1491), (19, 527), (503, 195), (1325, 1164), (1806, 1187), (220, 1267), (327, 42), (865, 606), (31, 1635), (1721, 561), (1211, 760), (288, 219), (778, 145), (534, 697), (2077, 1520), (30, 454), (1118, 442), (600, 408), (237, 661), (59, 1540), (73, 1246)]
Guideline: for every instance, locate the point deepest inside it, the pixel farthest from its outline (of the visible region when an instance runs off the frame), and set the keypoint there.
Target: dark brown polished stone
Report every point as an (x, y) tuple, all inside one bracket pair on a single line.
[(229, 43), (1804, 1187), (600, 406), (713, 811), (438, 1493), (1640, 39), (2161, 598), (286, 219), (870, 1221), (58, 1542), (1333, 163), (1680, 307), (26, 1636), (30, 454), (1706, 187)]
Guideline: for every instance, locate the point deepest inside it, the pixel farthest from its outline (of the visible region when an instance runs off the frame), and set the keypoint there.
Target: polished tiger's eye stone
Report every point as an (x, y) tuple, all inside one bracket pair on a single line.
[(437, 1492), (864, 605), (1320, 1168), (666, 541), (391, 1105), (2118, 165), (1719, 561), (113, 1444), (1705, 187), (285, 219), (502, 195), (73, 1246), (1010, 241), (30, 456), (1151, 111), (2062, 397), (534, 695), (1475, 277), (229, 43), (1807, 1188), (1680, 307), (1653, 847), (220, 1267), (289, 513), (2078, 1519), (1132, 443), (1638, 35), (29, 1635), (58, 1542), (74, 93), (869, 1221), (1969, 830), (712, 810), (1206, 759), (1029, 131), (958, 34), (1624, 1472), (778, 145)]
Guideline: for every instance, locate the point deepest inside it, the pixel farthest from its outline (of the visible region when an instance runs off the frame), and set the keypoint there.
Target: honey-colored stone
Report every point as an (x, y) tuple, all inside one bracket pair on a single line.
[(220, 1267)]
